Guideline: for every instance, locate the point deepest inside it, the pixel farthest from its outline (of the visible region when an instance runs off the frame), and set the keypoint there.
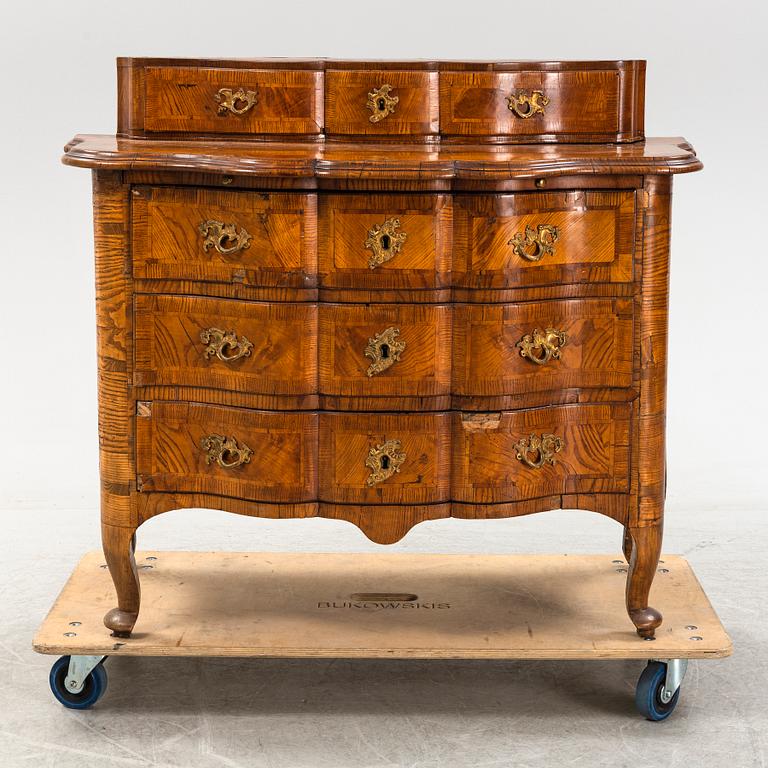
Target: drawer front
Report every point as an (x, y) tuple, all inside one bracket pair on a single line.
[(227, 101), (255, 455), (381, 102), (385, 351), (385, 241), (518, 455), (205, 235), (377, 458), (247, 347), (513, 349), (535, 239), (548, 106)]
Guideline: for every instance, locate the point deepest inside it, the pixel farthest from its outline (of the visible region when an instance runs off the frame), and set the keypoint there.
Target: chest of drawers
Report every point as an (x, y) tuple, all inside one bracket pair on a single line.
[(381, 292)]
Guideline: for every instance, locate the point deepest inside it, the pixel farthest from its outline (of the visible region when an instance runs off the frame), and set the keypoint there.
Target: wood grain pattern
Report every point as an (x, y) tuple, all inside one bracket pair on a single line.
[(594, 458), (417, 111), (424, 367), (182, 100), (597, 352), (114, 340), (581, 105), (424, 260), (283, 467), (168, 244), (595, 243), (170, 352), (346, 439)]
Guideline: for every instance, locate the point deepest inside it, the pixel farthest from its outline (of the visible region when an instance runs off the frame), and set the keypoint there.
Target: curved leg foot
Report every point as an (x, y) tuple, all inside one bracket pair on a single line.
[(645, 551), (118, 544)]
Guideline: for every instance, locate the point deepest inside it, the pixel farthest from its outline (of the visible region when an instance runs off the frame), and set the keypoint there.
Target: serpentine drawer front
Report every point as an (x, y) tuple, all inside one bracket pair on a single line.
[(384, 293)]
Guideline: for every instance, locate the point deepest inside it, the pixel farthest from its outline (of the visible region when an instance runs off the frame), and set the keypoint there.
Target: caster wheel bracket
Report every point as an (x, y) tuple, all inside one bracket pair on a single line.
[(676, 669), (79, 669)]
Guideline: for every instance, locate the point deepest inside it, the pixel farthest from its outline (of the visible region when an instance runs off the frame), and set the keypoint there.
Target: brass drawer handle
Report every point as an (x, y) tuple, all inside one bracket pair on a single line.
[(527, 105), (223, 237), (535, 451), (225, 345), (384, 241), (542, 240), (225, 451), (384, 349), (542, 346), (384, 461), (381, 103), (235, 102)]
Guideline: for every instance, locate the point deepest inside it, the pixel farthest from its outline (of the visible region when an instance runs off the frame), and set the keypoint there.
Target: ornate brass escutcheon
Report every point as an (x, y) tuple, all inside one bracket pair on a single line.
[(384, 349), (385, 242), (235, 102), (525, 105), (384, 461), (542, 240), (381, 103), (225, 345), (542, 346), (225, 451), (223, 237), (535, 451)]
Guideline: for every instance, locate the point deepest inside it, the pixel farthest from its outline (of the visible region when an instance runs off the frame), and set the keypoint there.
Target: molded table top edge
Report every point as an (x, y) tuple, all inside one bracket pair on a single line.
[(366, 160)]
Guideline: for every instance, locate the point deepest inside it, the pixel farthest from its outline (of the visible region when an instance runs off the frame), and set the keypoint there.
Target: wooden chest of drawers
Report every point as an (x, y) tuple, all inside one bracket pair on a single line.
[(384, 293)]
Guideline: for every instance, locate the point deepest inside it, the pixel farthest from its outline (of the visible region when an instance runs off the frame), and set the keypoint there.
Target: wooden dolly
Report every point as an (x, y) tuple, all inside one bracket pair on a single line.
[(381, 606)]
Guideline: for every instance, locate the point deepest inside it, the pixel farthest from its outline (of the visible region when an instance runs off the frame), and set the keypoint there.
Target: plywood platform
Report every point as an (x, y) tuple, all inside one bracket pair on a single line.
[(383, 605)]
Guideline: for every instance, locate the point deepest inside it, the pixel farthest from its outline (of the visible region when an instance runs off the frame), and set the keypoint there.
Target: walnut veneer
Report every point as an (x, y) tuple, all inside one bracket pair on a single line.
[(382, 292)]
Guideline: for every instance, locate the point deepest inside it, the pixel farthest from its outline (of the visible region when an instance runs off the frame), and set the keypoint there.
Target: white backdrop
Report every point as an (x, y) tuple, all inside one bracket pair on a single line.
[(706, 81)]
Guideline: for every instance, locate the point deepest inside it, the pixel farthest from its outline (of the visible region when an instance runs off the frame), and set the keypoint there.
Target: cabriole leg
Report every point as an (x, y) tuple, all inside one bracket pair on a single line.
[(118, 544), (644, 558)]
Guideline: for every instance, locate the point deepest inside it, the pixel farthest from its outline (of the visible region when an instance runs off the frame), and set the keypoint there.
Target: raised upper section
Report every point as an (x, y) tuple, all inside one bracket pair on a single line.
[(500, 102)]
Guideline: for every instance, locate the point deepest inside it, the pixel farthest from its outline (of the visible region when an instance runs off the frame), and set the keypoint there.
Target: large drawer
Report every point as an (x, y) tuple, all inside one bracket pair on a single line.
[(538, 239), (518, 349), (259, 455), (385, 241), (223, 236), (247, 347), (517, 455)]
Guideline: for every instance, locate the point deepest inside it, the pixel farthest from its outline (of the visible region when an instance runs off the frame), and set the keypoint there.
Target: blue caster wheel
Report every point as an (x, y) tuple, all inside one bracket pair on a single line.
[(92, 690), (651, 698)]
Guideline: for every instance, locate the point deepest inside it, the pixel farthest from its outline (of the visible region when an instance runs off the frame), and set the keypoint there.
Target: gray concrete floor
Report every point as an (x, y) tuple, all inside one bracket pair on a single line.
[(293, 713)]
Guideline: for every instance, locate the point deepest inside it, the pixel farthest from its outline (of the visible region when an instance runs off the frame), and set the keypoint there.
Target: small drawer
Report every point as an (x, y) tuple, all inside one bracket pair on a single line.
[(385, 351), (220, 100), (254, 455), (518, 455), (536, 239), (562, 102), (376, 458), (246, 347), (381, 102), (370, 242), (217, 236), (516, 349)]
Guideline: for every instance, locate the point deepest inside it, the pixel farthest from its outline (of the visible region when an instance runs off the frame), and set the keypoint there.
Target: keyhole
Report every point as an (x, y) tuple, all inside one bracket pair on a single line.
[(385, 242), (382, 105), (384, 348), (385, 461)]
